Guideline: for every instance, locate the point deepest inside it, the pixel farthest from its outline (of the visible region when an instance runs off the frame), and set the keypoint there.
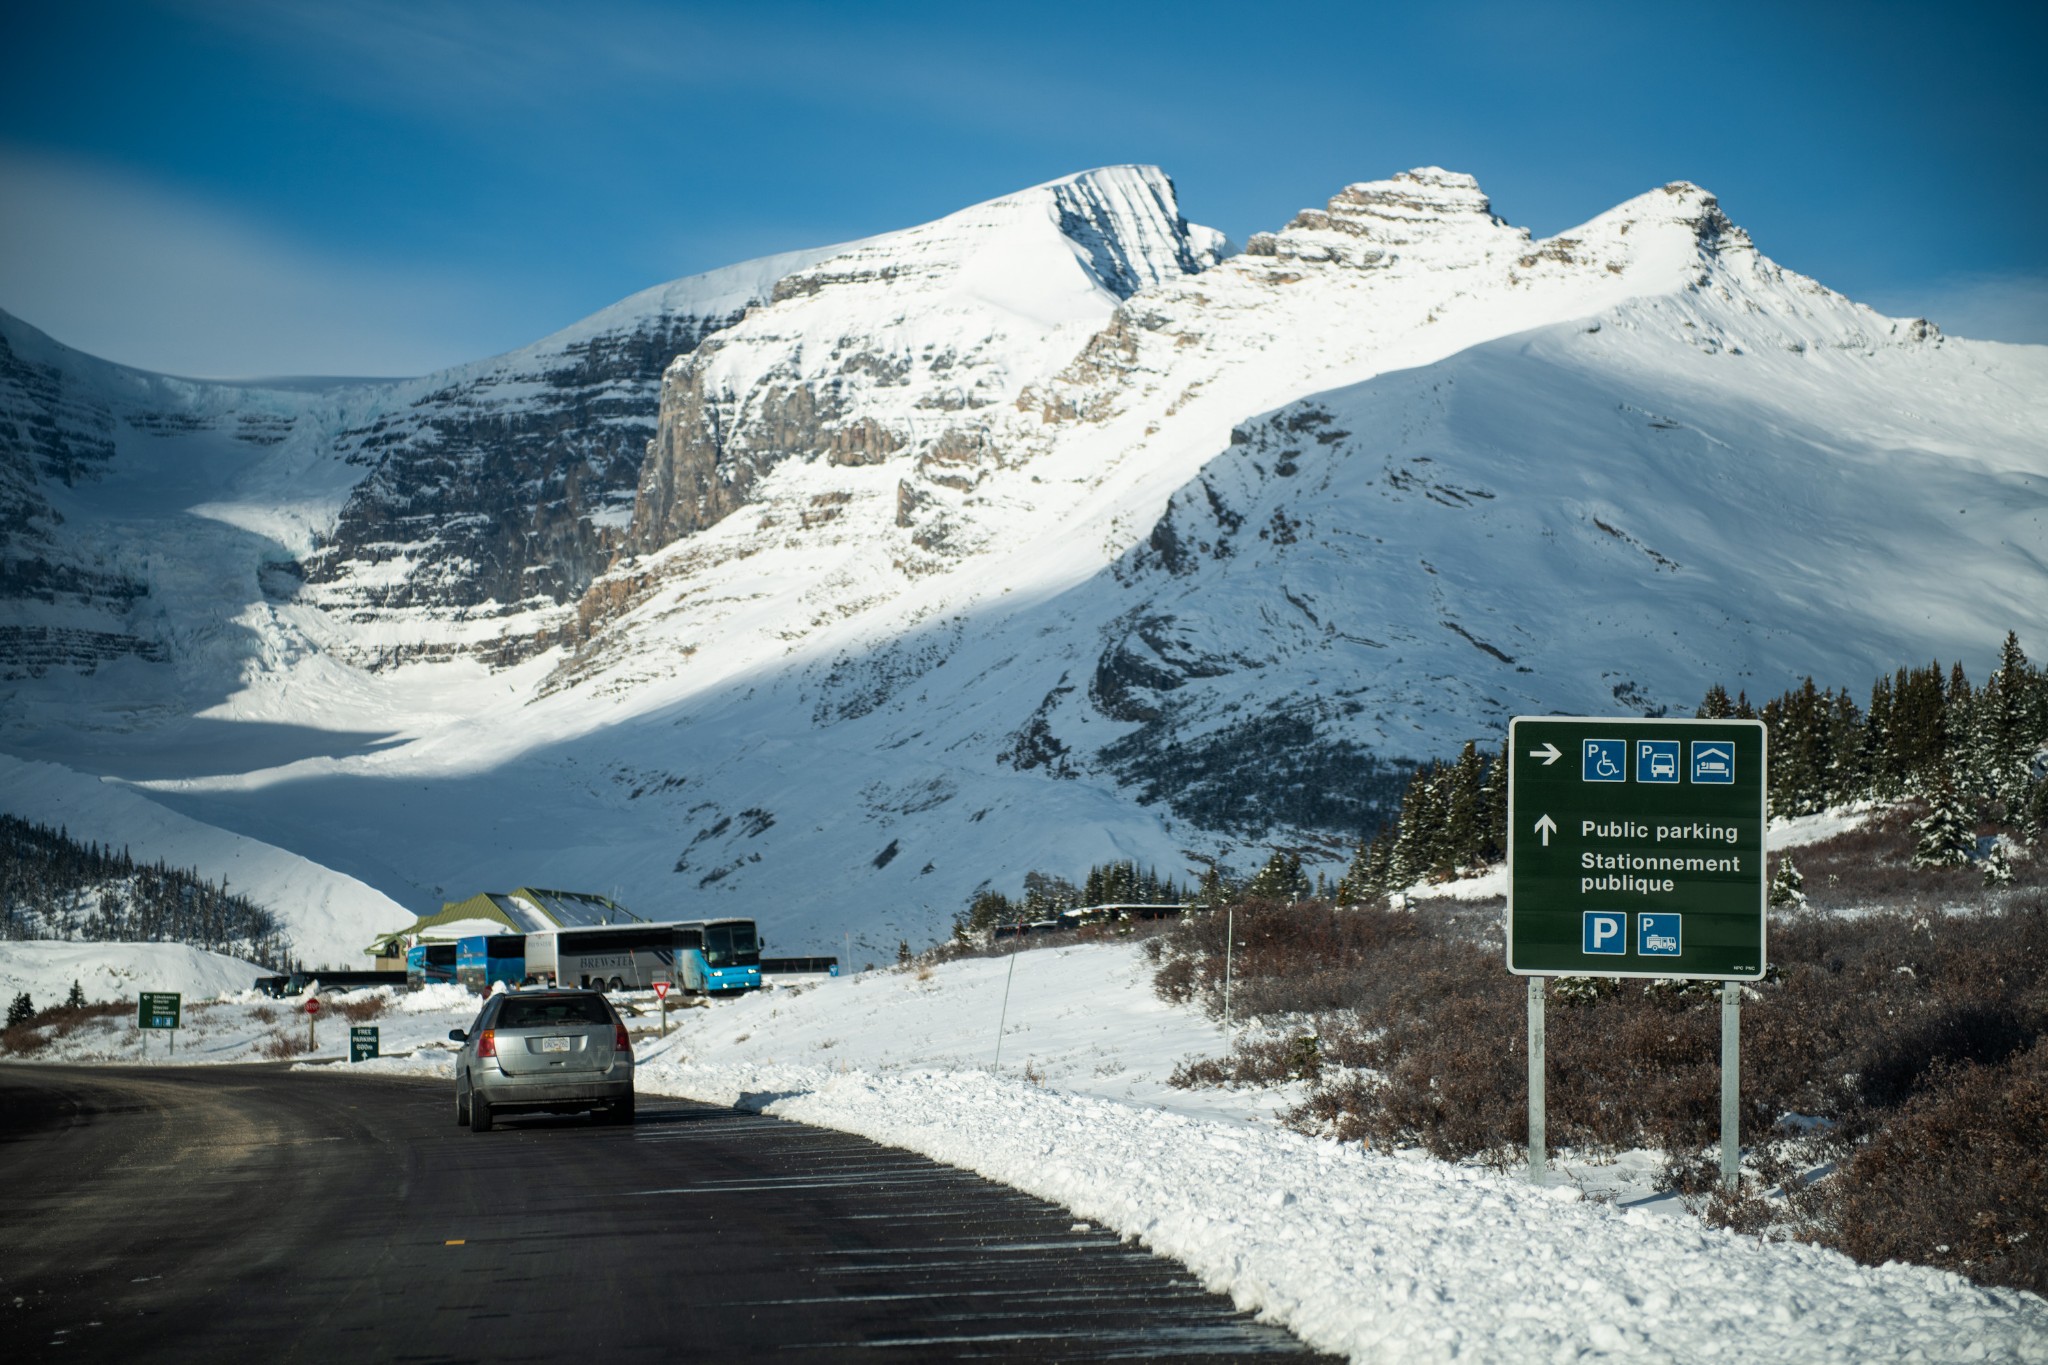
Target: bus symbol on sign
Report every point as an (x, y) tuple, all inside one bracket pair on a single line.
[(1657, 760)]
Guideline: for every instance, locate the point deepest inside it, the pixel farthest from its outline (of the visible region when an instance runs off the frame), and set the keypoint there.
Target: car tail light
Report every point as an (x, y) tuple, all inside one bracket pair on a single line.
[(620, 1042), (487, 1043)]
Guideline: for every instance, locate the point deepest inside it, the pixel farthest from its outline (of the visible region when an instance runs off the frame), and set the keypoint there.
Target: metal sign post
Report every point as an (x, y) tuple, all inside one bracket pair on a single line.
[(1004, 1018), (661, 998), (312, 1010), (1731, 1084), (1229, 937), (1636, 849), (1539, 1145)]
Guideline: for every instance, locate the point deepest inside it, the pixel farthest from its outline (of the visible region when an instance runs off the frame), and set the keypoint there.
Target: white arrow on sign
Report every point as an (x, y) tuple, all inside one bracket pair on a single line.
[(1546, 827), (1549, 753)]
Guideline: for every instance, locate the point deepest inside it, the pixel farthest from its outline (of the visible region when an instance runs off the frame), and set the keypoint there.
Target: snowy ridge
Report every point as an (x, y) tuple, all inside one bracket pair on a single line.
[(898, 346), (1047, 534), (329, 917)]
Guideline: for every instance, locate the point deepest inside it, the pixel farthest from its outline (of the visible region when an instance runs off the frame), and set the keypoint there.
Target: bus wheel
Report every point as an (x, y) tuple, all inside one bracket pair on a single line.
[(617, 984)]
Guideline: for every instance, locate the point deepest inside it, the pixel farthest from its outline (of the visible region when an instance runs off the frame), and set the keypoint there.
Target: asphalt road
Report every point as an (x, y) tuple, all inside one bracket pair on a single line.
[(228, 1214)]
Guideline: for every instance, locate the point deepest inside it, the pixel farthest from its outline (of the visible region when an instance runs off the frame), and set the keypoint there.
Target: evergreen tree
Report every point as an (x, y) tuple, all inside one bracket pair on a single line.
[(1281, 879), (2034, 820), (1715, 705), (21, 1011), (1947, 834), (1464, 823), (1496, 804), (76, 999), (1355, 886), (1997, 867), (2013, 725), (1786, 884)]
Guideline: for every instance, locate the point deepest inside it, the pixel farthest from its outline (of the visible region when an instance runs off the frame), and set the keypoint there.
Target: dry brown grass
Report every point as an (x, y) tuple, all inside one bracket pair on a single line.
[(361, 1009), (58, 1021), (284, 1045), (1911, 1018)]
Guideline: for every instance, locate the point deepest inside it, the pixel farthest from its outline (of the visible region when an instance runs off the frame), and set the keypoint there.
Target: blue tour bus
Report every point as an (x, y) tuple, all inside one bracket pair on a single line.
[(483, 960), (699, 957), (427, 964), (718, 955)]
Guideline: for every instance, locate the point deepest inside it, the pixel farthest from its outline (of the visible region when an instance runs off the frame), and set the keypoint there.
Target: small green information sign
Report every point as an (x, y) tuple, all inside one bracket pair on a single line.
[(1636, 847), (157, 1009), (362, 1042)]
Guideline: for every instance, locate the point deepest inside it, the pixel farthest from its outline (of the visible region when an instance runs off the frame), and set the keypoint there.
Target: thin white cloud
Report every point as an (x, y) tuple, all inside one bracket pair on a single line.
[(1988, 307), (149, 276)]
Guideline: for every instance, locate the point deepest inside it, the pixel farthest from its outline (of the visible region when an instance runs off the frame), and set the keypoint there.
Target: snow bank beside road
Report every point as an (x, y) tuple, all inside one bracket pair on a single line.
[(46, 968), (1386, 1259)]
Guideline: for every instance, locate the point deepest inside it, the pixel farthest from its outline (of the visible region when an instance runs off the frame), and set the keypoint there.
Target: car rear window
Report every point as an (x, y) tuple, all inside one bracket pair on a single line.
[(559, 1009)]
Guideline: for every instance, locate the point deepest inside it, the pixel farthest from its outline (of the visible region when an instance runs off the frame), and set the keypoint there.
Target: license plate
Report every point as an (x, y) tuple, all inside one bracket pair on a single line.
[(554, 1045)]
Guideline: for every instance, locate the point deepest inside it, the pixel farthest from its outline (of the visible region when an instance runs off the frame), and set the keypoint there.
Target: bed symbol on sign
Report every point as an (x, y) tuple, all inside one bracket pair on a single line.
[(1713, 762)]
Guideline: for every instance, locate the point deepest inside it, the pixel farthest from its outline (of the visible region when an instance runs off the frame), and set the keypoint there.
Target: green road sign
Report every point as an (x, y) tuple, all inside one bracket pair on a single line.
[(157, 1009), (1636, 847), (362, 1042)]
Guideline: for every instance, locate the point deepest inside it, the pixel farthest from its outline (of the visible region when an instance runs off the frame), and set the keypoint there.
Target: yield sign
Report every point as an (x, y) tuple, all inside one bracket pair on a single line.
[(661, 990)]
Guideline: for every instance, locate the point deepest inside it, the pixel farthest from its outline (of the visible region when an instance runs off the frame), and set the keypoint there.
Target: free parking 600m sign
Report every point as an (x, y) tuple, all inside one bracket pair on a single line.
[(1636, 847)]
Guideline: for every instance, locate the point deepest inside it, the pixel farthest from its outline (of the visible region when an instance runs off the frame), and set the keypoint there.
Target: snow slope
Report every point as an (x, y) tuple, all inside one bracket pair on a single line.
[(47, 970), (329, 917)]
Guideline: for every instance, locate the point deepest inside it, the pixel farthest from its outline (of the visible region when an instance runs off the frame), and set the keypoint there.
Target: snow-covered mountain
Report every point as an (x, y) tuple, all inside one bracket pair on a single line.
[(1047, 533)]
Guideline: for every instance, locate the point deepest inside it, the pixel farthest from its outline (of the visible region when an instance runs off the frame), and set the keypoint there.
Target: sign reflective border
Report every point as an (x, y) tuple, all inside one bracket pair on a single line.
[(1636, 847)]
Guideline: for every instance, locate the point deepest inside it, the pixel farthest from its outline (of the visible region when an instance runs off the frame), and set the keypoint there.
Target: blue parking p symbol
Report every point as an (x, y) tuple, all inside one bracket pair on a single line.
[(1605, 931)]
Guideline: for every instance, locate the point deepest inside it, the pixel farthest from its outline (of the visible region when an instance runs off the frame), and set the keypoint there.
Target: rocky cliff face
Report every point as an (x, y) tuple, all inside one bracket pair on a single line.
[(497, 492), (899, 348), (461, 513)]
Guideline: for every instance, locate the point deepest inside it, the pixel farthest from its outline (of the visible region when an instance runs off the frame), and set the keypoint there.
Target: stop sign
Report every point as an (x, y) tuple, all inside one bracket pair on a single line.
[(313, 1004)]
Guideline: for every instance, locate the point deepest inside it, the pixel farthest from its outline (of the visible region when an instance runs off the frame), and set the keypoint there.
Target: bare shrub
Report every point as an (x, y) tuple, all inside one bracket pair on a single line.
[(23, 1040), (1955, 1179), (361, 1009), (58, 1021), (284, 1045)]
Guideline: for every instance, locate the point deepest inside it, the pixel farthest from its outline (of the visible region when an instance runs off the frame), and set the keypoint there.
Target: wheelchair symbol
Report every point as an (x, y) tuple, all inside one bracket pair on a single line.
[(1604, 759)]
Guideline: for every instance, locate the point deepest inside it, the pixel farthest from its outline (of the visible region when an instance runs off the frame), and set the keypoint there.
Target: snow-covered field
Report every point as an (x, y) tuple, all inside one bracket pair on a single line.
[(46, 970), (1381, 1258)]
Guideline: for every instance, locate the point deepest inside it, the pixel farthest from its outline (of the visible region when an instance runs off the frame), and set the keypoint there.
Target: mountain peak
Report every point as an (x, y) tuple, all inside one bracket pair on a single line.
[(1362, 223), (1126, 226)]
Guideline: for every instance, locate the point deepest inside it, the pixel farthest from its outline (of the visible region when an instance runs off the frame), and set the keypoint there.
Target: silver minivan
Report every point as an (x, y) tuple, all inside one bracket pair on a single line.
[(552, 1051)]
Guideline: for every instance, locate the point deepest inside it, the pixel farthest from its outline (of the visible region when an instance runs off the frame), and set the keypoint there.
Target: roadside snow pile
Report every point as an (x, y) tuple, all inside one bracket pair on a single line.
[(1377, 1257), (1387, 1259), (45, 969)]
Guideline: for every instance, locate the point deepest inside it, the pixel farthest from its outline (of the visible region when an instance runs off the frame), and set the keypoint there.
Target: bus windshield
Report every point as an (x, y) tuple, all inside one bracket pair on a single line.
[(730, 945)]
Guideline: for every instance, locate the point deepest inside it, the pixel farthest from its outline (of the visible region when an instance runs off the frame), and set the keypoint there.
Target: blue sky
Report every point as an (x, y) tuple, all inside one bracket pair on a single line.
[(286, 187)]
